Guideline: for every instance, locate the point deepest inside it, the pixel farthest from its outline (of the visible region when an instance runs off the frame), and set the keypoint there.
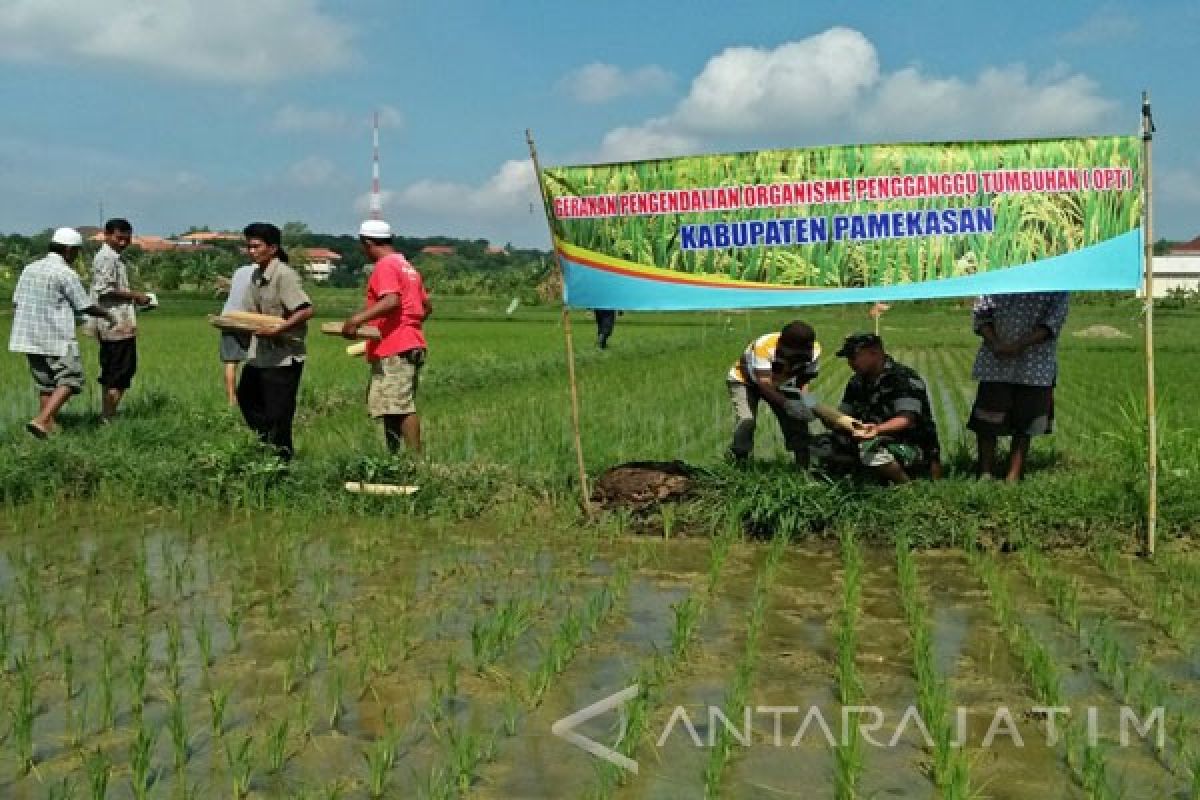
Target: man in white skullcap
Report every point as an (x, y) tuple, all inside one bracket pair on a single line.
[(48, 296), (397, 304)]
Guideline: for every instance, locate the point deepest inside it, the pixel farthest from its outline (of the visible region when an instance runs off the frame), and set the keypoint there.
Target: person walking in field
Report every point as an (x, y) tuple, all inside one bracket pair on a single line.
[(270, 381), (110, 290), (606, 321), (774, 368), (898, 438), (47, 297), (1017, 368), (398, 305), (235, 346)]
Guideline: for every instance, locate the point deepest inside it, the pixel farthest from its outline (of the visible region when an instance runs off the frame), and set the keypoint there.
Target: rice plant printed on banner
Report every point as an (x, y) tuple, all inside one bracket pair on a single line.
[(850, 223)]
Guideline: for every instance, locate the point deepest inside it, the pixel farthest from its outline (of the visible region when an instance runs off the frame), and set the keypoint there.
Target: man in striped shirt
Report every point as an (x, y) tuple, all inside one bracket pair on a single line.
[(775, 368)]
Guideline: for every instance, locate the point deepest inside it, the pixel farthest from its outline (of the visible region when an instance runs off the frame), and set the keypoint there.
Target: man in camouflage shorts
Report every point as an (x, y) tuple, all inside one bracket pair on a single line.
[(898, 439)]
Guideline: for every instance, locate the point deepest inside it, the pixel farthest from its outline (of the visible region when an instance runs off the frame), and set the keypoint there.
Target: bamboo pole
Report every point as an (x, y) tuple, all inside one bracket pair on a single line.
[(584, 498), (1151, 415)]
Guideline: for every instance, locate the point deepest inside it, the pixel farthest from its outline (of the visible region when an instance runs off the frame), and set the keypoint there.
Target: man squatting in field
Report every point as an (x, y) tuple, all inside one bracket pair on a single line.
[(270, 380), (1017, 367), (47, 297), (776, 367), (397, 304), (110, 290), (897, 439)]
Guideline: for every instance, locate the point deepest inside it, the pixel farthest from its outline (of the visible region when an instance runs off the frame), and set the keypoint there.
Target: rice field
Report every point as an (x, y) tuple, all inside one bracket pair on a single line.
[(179, 618)]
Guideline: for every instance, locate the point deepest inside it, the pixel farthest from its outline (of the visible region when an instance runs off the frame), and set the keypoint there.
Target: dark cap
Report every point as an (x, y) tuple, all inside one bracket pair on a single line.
[(857, 341)]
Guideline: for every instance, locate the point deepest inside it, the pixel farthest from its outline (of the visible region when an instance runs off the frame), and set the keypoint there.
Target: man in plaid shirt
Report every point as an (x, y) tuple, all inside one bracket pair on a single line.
[(47, 297)]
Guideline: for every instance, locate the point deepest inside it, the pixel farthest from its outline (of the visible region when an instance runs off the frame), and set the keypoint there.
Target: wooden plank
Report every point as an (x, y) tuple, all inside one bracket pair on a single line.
[(364, 331), (260, 320), (385, 489), (357, 349)]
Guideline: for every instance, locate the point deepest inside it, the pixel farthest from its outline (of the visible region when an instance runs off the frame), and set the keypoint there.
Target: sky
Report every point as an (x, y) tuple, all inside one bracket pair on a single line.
[(182, 113)]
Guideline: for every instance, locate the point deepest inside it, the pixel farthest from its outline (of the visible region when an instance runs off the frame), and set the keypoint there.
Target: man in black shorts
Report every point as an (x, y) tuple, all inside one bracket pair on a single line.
[(110, 291)]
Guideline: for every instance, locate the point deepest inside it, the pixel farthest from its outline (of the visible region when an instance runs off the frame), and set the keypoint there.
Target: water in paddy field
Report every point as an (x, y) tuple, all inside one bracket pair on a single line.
[(422, 657)]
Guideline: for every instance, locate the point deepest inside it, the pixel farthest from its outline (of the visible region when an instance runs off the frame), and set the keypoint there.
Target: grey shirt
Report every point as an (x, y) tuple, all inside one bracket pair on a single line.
[(276, 290), (109, 275), (1013, 316)]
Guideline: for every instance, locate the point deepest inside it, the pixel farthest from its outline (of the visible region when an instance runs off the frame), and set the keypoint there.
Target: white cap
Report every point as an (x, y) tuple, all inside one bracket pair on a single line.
[(68, 237), (375, 229)]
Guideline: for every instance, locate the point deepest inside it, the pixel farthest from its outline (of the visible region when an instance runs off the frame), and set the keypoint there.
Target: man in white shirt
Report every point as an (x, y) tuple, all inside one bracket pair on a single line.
[(47, 297)]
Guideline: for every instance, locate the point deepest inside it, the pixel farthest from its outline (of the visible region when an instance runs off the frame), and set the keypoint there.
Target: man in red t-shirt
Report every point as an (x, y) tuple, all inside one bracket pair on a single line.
[(397, 304)]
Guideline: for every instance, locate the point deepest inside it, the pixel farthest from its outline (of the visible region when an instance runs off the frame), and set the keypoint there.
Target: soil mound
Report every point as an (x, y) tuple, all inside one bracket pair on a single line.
[(1101, 332), (641, 484)]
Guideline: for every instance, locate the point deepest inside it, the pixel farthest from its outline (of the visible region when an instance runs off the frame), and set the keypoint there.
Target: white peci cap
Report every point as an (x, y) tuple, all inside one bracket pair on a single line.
[(375, 229), (68, 237)]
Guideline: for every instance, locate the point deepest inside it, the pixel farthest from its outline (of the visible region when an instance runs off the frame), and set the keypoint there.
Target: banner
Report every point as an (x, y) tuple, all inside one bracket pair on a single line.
[(849, 223)]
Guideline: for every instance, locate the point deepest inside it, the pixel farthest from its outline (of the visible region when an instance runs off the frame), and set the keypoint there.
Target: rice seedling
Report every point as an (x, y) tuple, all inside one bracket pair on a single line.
[(277, 746), (238, 760), (203, 639), (218, 698), (99, 770), (141, 751), (108, 699), (177, 726), (848, 755), (380, 757), (233, 619), (334, 688), (61, 790), (24, 713)]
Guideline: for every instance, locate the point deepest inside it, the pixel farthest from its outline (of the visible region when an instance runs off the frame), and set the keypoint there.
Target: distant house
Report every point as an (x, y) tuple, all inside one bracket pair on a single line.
[(153, 244), (437, 250), (496, 250), (1180, 270), (1191, 248), (318, 262), (208, 237)]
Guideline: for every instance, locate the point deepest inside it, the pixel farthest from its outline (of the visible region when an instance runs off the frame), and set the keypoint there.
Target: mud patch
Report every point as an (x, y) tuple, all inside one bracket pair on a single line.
[(640, 485)]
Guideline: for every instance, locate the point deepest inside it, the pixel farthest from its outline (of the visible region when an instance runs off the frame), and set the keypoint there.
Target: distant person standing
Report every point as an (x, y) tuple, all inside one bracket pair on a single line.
[(235, 346), (110, 290), (1017, 368), (398, 305), (270, 380), (46, 299), (606, 320)]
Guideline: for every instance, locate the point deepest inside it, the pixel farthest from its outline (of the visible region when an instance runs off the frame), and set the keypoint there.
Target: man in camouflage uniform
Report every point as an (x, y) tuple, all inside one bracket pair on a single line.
[(898, 438)]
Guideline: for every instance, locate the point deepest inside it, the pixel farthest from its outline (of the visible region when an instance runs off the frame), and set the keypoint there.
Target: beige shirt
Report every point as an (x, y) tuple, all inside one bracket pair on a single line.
[(109, 275), (276, 290)]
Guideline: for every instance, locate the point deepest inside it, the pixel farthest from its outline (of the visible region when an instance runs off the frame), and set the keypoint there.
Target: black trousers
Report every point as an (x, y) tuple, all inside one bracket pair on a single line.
[(606, 320), (267, 398)]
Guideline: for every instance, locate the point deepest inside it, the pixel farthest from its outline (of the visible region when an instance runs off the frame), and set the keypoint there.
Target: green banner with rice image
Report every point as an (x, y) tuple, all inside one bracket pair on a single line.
[(850, 223)]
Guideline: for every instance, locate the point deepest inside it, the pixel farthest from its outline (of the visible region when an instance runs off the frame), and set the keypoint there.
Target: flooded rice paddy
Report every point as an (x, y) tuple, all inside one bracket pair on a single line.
[(263, 656)]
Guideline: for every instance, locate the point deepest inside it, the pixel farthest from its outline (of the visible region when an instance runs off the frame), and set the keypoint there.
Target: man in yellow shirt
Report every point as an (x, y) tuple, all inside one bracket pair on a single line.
[(775, 368)]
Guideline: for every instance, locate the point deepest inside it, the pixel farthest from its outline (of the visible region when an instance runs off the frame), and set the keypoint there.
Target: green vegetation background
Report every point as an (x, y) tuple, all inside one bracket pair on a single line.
[(494, 403)]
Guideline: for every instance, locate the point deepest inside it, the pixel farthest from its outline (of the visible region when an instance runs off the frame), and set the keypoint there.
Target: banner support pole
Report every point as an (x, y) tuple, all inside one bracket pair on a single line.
[(584, 497), (1148, 282)]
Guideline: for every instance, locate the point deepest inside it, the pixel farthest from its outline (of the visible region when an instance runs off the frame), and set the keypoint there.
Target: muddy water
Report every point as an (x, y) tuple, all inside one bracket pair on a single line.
[(986, 681), (1134, 766)]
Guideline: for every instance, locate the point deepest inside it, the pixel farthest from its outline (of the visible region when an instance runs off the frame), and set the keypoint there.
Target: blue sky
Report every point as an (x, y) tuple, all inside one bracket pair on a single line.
[(219, 112)]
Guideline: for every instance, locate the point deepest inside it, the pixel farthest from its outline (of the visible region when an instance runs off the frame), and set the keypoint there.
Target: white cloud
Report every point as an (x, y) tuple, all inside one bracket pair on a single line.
[(508, 192), (998, 103), (830, 87), (226, 41), (1106, 25), (747, 89), (293, 118), (599, 83), (654, 139), (311, 172)]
